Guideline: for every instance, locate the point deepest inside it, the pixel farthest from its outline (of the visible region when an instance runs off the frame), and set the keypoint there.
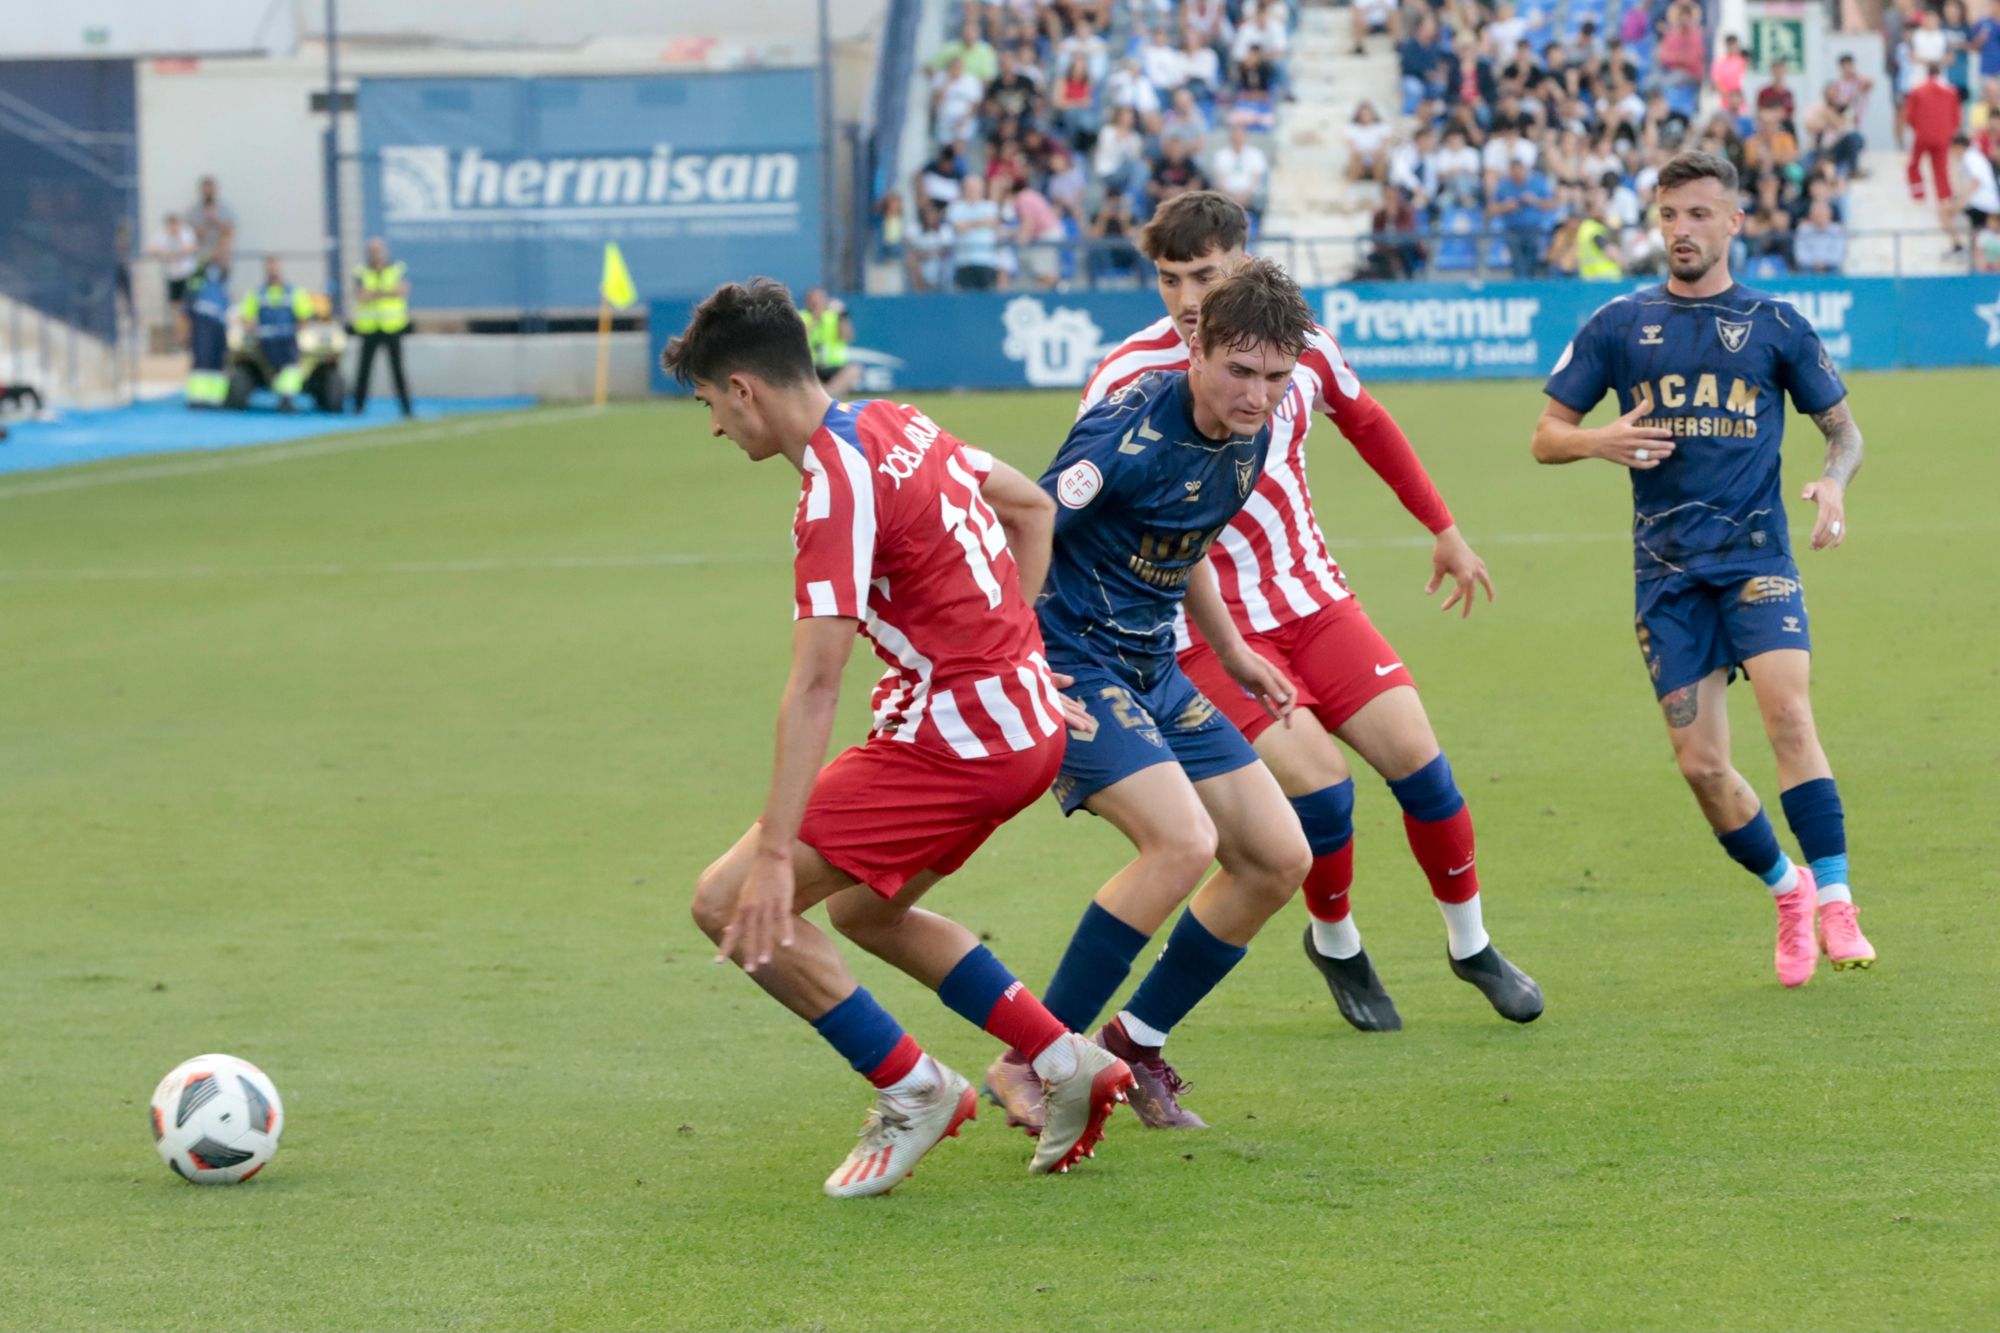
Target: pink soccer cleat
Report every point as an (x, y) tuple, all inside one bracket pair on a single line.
[(1798, 950), (1840, 935)]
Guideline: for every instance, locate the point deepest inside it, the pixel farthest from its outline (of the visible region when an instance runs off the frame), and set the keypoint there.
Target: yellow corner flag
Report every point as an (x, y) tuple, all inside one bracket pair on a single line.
[(616, 285)]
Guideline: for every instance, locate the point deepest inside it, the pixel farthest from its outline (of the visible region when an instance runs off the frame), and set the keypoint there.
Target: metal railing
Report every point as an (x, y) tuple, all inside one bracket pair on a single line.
[(1479, 256)]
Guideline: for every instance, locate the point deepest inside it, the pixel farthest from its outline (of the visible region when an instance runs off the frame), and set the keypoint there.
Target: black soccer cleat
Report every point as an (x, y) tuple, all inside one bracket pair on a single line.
[(1512, 992), (1356, 989)]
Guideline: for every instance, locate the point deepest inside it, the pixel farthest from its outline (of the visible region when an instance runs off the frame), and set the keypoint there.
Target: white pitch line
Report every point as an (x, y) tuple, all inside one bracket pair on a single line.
[(317, 447)]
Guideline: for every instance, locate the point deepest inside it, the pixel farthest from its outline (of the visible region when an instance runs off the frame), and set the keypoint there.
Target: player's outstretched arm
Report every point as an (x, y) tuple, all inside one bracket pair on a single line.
[(820, 648), (1266, 682), (1028, 515), (1561, 438), (1843, 460)]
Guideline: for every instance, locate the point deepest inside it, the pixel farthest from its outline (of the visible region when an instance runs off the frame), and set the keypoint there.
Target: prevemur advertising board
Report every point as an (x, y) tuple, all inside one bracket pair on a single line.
[(1389, 331)]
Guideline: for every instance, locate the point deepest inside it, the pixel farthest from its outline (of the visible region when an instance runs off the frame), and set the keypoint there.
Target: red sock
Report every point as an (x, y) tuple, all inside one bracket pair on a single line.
[(1327, 884), (1020, 1020), (1444, 850), (898, 1063)]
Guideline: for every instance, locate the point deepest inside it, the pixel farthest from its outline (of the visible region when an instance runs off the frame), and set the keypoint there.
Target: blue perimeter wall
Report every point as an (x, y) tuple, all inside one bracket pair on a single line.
[(1390, 331)]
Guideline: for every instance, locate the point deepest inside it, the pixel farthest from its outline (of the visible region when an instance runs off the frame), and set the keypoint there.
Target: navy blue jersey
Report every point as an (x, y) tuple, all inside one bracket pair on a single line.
[(1714, 371), (1140, 496)]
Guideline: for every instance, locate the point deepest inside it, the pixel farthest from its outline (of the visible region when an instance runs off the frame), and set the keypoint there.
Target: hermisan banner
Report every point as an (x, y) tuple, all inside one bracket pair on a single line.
[(500, 193), (1389, 331)]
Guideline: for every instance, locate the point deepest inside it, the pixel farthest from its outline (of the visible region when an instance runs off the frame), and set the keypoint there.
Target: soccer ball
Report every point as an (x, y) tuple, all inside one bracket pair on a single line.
[(216, 1120)]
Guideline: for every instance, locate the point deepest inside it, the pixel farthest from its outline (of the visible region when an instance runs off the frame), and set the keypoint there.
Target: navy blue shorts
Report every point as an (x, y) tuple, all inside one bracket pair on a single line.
[(1691, 624), (1171, 723)]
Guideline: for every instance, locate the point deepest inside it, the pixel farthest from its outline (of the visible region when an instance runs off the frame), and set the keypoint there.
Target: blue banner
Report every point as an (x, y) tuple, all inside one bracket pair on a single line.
[(1389, 331), (500, 193)]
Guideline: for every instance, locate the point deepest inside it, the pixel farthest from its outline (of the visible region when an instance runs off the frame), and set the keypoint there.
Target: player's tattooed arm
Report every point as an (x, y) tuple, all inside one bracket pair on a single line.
[(1681, 706), (1843, 460), (1843, 442)]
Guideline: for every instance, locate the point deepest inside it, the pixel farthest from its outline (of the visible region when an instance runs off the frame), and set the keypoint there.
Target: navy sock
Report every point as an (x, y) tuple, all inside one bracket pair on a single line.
[(1193, 964), (861, 1030), (1327, 816), (1429, 794), (1818, 822), (1095, 965), (1755, 848), (975, 985)]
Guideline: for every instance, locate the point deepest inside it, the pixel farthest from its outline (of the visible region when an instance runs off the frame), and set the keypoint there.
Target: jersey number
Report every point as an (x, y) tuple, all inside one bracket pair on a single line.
[(983, 546)]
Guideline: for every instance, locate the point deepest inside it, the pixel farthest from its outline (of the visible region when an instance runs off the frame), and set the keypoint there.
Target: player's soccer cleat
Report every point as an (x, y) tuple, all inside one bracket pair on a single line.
[(1840, 935), (1357, 991), (1157, 1087), (1013, 1086), (1078, 1105), (1798, 951), (899, 1131), (1512, 992)]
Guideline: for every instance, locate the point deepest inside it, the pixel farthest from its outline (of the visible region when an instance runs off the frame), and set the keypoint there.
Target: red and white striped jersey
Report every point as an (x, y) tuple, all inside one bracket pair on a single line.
[(891, 531), (1272, 560)]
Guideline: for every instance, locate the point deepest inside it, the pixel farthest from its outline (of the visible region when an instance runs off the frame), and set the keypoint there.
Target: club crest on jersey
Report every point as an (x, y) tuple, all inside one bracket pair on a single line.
[(1650, 336), (1193, 489), (1733, 335), (1246, 472)]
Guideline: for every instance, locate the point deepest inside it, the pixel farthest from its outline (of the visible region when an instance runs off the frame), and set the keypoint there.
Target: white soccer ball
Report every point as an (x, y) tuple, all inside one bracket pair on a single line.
[(216, 1120)]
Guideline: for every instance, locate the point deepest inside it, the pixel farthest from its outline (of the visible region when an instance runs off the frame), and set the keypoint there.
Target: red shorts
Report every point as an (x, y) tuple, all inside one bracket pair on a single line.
[(886, 811), (1335, 658)]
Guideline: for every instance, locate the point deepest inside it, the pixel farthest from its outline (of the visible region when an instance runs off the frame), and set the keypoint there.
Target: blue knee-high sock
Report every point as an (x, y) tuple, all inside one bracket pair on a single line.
[(1818, 822), (1095, 965), (1755, 848), (861, 1030), (1327, 816), (1193, 964)]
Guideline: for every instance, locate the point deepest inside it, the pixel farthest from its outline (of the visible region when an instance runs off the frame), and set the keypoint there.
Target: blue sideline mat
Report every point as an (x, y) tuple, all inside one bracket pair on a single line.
[(166, 426)]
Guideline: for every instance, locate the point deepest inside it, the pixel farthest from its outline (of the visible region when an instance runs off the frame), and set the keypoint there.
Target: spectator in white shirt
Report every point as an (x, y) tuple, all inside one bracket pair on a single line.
[(1367, 147), (1162, 63), (955, 103), (1819, 244), (1128, 87), (1413, 166), (1118, 158), (1088, 42), (1185, 121), (1199, 62), (1240, 170), (1458, 171)]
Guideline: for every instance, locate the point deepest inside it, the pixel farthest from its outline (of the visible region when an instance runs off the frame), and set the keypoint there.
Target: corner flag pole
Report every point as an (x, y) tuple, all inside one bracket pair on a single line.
[(614, 288)]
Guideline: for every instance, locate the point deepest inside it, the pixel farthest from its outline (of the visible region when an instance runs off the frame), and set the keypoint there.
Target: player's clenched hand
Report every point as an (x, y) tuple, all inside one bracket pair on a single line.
[(1640, 448), (1267, 684), (1830, 529), (1453, 557), (763, 915), (1075, 716)]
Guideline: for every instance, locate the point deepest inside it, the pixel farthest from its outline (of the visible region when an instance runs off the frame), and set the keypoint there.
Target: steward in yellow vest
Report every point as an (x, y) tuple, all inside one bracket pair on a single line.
[(381, 316), (1597, 256), (828, 333)]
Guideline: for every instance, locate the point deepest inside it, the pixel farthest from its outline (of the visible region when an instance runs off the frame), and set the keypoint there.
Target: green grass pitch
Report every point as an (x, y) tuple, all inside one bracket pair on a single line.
[(389, 763)]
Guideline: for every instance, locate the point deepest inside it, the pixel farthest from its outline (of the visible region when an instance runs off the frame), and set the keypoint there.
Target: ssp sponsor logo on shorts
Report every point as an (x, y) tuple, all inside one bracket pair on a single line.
[(1768, 588)]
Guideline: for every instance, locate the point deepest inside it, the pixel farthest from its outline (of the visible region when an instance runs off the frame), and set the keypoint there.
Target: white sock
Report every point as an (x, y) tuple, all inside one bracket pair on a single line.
[(1834, 893), (1056, 1063), (1140, 1032), (1336, 939), (917, 1085), (1464, 927), (1787, 881)]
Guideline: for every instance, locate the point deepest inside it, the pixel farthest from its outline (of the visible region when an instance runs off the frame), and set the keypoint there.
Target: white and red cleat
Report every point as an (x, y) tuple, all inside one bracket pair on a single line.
[(1840, 935), (1075, 1108), (1798, 948), (899, 1130)]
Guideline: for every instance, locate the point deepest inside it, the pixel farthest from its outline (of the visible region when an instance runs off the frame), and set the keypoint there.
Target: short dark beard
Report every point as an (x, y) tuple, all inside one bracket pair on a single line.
[(1697, 275)]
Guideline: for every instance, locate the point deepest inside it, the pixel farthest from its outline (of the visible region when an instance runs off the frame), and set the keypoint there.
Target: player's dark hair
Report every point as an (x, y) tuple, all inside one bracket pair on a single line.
[(1684, 168), (750, 327), (1188, 226), (1259, 303)]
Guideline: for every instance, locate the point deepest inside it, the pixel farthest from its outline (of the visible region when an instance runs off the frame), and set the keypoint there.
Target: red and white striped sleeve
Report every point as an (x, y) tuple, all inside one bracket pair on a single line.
[(1367, 425), (1156, 347), (835, 532)]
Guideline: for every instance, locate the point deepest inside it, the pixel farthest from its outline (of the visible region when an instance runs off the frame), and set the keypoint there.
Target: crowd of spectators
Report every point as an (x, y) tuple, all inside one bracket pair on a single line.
[(1058, 126), (1531, 137)]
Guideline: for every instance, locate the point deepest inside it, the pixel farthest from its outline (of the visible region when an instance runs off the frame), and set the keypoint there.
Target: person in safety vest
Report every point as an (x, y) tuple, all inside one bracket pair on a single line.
[(828, 333), (1599, 257), (272, 315), (381, 317), (207, 297)]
